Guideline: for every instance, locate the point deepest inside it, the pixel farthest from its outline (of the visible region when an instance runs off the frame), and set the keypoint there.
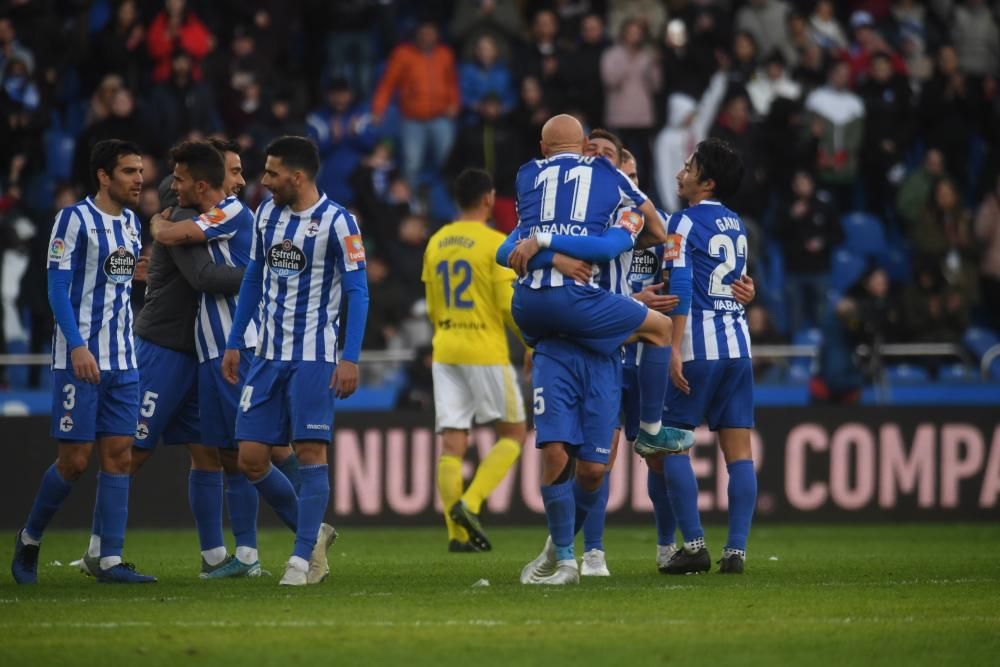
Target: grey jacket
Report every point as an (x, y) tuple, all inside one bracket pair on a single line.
[(176, 277)]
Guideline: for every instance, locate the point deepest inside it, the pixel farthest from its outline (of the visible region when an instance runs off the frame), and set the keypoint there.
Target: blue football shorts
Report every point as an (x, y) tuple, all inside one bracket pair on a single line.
[(286, 401), (168, 396), (576, 391), (587, 315), (721, 394), (218, 401), (83, 412)]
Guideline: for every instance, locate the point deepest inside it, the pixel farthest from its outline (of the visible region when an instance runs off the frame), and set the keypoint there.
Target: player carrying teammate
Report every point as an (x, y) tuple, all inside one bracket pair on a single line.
[(95, 385), (307, 252), (468, 302), (710, 369)]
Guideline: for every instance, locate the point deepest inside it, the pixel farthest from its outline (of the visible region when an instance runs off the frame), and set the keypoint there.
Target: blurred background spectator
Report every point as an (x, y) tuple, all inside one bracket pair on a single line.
[(870, 131)]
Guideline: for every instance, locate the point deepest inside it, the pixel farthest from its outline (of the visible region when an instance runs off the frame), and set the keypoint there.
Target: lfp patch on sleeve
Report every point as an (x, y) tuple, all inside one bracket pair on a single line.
[(672, 247), (56, 250), (631, 220)]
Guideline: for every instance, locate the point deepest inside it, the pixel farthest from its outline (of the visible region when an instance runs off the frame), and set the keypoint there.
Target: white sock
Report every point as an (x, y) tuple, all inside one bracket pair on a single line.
[(694, 545), (300, 564), (29, 540), (729, 552), (651, 428), (214, 556), (246, 555), (94, 549), (108, 562)]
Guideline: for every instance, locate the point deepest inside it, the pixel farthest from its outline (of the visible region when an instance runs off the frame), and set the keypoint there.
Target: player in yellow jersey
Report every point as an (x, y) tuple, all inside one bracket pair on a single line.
[(468, 302)]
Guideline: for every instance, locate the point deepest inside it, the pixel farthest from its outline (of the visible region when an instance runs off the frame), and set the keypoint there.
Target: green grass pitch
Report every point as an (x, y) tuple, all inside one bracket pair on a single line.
[(813, 595)]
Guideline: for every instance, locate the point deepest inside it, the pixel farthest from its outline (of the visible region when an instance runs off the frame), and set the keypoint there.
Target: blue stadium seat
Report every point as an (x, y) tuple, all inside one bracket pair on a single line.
[(979, 339), (846, 267), (59, 148), (800, 368), (957, 374), (906, 374), (864, 234)]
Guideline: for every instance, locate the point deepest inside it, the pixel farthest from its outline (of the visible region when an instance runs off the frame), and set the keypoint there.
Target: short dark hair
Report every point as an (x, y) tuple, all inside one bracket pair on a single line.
[(104, 155), (224, 145), (296, 153), (470, 186), (201, 159), (601, 133), (719, 161)]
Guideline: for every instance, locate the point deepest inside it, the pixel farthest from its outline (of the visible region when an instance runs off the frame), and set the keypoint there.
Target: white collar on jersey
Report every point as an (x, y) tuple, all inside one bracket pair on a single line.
[(710, 202)]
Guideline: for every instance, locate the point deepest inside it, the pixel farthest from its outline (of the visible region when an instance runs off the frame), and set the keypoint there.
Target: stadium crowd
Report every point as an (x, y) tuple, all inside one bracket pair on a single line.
[(869, 129)]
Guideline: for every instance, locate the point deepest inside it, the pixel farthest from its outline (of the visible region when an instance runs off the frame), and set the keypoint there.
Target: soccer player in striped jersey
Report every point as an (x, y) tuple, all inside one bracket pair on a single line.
[(225, 226), (710, 367), (307, 256), (468, 302), (93, 252)]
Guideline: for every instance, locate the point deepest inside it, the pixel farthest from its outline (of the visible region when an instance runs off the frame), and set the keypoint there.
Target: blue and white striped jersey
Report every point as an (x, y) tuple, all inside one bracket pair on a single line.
[(647, 268), (304, 255), (711, 240), (229, 228), (573, 195), (618, 275), (101, 250)]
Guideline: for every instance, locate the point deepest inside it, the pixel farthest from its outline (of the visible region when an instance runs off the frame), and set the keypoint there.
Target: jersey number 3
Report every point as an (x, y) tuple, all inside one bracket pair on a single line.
[(461, 271), (722, 248)]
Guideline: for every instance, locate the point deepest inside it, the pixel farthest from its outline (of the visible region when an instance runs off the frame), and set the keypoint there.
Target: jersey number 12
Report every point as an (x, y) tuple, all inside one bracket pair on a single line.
[(461, 271)]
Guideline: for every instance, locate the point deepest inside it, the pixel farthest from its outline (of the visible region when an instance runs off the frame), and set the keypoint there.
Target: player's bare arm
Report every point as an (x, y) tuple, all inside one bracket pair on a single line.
[(345, 378)]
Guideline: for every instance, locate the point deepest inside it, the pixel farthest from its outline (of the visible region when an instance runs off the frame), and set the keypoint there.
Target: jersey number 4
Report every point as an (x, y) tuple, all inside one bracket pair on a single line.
[(461, 271), (728, 253), (548, 180)]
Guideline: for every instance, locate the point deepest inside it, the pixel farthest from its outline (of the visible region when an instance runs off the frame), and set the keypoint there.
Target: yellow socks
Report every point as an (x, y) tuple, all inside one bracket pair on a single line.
[(491, 472), (449, 482)]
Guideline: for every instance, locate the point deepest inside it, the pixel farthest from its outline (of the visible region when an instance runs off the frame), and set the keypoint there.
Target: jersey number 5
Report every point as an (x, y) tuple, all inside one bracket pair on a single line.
[(461, 270), (722, 248)]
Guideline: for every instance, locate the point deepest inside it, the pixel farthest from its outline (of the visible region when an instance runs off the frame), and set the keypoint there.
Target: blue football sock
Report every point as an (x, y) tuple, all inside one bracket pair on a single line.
[(278, 492), (654, 370), (593, 523), (112, 503), (682, 488), (312, 506), (742, 500), (290, 467), (51, 494), (242, 501), (666, 524), (560, 511), (205, 498)]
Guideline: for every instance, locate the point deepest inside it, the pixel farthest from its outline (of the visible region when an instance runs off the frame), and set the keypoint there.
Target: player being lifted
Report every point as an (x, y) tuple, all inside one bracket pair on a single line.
[(710, 368), (307, 253), (95, 385), (568, 202), (468, 302)]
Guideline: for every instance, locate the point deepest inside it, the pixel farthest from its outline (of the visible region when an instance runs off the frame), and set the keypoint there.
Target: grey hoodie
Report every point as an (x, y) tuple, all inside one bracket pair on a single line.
[(176, 277)]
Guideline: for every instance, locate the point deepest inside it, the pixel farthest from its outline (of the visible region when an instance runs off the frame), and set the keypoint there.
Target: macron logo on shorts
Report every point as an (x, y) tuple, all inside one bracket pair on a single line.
[(318, 427)]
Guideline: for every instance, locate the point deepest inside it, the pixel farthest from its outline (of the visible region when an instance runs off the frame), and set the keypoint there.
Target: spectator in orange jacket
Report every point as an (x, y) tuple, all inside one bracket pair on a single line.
[(177, 28), (424, 76)]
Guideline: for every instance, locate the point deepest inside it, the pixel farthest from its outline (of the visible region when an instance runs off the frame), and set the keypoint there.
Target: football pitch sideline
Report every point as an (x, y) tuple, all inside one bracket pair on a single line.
[(887, 594)]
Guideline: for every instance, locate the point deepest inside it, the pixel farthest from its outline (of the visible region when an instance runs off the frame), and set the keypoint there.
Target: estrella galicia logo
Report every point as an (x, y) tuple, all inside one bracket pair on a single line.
[(286, 260), (119, 265), (644, 266)]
